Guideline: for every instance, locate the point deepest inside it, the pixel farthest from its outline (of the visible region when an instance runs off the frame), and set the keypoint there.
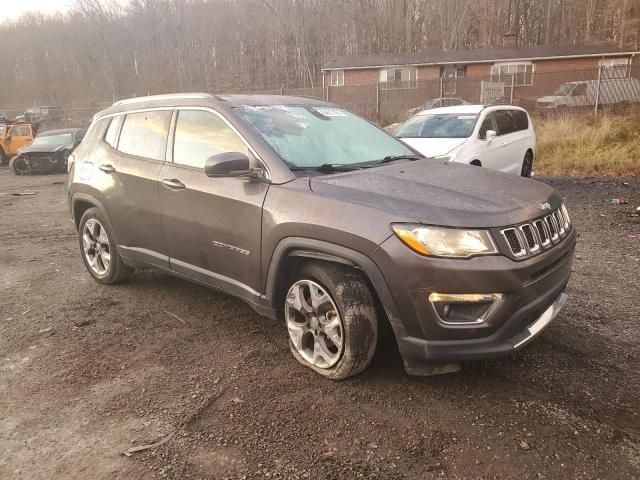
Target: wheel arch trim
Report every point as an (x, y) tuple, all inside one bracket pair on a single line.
[(90, 199), (322, 250)]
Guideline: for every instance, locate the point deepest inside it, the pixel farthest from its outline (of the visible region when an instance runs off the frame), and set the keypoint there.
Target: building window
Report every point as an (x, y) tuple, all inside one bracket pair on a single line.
[(337, 78), (397, 78), (450, 74), (614, 67), (518, 74)]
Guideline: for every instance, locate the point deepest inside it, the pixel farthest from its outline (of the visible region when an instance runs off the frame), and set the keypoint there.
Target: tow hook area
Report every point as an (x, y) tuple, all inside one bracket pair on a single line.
[(434, 368)]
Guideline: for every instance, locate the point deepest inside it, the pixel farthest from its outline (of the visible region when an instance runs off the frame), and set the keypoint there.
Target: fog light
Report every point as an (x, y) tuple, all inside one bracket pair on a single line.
[(465, 308)]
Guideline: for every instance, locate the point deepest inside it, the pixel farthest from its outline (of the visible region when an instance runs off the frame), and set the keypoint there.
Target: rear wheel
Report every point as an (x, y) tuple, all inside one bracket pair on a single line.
[(331, 319), (99, 249), (527, 165), (18, 165)]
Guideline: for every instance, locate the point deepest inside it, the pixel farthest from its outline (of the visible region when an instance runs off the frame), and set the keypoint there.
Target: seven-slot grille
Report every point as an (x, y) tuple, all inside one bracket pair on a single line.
[(532, 238)]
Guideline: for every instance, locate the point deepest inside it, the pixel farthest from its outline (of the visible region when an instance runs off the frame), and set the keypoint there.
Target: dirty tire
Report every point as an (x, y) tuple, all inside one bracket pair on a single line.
[(14, 165), (527, 165), (356, 307), (117, 270)]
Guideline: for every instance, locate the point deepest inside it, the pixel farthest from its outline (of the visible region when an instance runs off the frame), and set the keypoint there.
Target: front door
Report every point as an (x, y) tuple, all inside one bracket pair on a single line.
[(212, 225), (492, 152), (20, 136), (508, 155)]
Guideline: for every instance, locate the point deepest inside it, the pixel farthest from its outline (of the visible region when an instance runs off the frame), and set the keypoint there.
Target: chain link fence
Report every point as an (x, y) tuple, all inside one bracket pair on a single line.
[(542, 93)]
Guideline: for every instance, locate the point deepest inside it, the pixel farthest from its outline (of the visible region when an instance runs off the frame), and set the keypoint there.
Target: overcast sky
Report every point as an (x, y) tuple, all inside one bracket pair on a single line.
[(11, 9)]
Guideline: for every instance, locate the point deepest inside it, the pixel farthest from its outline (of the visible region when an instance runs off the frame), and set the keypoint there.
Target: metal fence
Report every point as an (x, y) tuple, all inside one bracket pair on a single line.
[(539, 92)]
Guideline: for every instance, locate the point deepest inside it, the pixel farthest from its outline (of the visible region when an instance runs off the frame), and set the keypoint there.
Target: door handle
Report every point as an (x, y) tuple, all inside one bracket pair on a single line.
[(504, 144), (173, 183), (107, 168)]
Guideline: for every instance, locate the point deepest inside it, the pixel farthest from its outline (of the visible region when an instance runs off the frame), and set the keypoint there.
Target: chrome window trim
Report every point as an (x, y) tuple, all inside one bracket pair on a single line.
[(192, 107)]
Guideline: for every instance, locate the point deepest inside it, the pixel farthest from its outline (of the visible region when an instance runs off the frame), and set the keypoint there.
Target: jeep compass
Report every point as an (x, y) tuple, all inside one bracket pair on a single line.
[(313, 215)]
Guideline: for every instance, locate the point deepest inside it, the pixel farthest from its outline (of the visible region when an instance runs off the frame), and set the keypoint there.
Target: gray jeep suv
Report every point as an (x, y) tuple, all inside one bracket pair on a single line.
[(311, 214)]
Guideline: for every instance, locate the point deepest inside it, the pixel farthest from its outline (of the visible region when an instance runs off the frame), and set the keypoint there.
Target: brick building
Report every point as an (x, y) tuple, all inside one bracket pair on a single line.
[(402, 80)]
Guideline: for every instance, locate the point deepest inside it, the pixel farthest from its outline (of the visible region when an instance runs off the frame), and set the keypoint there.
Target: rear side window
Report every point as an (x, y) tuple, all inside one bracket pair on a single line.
[(111, 137), (92, 137), (201, 134), (145, 134)]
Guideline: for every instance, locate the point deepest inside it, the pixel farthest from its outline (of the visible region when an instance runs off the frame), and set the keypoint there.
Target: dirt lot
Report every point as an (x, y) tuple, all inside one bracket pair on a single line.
[(89, 371)]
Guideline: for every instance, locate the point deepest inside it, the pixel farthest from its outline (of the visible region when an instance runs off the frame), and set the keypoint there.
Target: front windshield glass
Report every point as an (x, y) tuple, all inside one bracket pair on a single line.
[(53, 140), (449, 125), (315, 136), (564, 89)]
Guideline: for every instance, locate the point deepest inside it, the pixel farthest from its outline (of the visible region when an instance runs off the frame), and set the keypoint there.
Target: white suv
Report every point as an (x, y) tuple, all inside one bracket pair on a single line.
[(498, 136)]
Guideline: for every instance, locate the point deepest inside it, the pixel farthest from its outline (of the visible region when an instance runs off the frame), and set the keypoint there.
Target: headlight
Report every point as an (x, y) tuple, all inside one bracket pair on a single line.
[(446, 242)]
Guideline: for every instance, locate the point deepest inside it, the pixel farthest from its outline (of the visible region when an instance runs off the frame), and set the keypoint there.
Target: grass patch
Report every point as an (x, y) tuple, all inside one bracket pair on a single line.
[(582, 145)]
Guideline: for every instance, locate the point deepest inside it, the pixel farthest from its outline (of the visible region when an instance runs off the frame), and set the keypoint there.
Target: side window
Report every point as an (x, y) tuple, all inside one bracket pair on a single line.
[(580, 89), (201, 134), (111, 137), (20, 132), (520, 119), (487, 124), (505, 122), (145, 134)]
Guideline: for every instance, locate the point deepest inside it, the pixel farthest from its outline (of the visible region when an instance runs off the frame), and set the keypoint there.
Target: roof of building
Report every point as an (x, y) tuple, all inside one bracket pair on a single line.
[(480, 55)]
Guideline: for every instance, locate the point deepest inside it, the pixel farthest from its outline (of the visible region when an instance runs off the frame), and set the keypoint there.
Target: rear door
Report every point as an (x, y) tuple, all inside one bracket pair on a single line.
[(212, 225), (138, 143)]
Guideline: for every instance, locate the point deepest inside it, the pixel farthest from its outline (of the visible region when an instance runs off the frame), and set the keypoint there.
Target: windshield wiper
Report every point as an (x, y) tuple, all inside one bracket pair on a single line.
[(328, 167), (393, 158)]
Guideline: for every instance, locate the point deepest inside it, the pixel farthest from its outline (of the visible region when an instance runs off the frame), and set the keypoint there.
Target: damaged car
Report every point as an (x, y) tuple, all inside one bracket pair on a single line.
[(48, 153), (316, 217)]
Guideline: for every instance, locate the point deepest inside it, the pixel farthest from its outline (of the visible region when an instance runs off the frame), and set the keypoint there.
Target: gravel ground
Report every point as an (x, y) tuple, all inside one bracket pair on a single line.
[(88, 371)]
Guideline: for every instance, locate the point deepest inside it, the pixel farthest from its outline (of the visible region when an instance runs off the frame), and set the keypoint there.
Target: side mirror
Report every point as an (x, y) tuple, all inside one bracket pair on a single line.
[(490, 135), (228, 164)]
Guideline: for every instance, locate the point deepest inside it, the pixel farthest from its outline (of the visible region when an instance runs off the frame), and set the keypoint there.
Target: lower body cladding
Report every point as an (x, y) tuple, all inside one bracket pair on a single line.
[(449, 310)]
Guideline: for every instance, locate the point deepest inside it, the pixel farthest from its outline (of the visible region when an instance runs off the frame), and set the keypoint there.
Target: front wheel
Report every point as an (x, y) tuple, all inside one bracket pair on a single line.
[(18, 165), (99, 250), (527, 165), (331, 319)]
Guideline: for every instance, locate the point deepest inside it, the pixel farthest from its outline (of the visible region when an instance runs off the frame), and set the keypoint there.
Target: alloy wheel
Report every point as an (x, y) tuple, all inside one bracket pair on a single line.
[(97, 249), (314, 324)]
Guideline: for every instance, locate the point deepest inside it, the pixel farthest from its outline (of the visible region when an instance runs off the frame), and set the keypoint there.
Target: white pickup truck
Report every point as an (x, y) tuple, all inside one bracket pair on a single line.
[(584, 93)]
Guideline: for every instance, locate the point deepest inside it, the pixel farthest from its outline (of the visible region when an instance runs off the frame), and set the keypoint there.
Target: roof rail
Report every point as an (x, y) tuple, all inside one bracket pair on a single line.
[(171, 96)]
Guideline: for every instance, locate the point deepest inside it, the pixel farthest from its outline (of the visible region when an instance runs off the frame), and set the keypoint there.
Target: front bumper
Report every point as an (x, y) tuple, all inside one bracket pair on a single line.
[(533, 292)]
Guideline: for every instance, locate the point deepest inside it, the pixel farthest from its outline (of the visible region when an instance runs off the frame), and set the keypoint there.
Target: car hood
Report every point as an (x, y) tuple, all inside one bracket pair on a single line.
[(434, 147), (44, 148), (441, 193)]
